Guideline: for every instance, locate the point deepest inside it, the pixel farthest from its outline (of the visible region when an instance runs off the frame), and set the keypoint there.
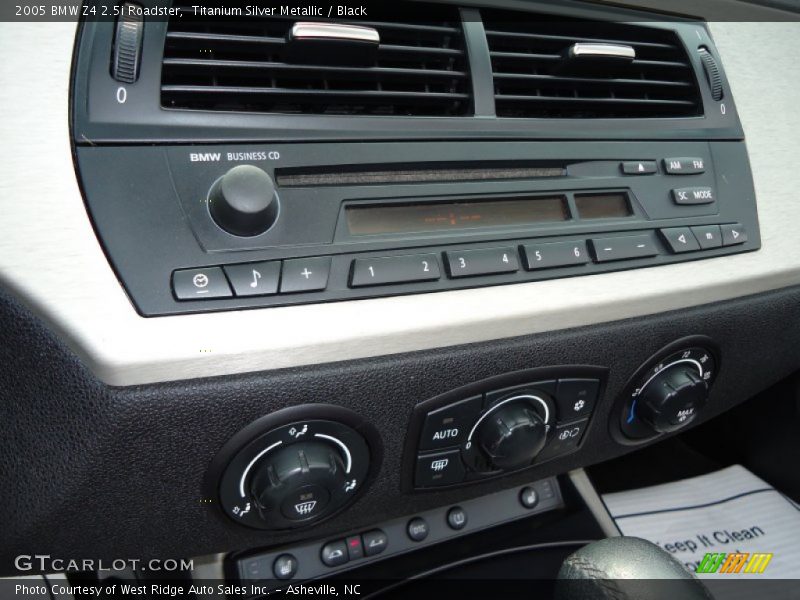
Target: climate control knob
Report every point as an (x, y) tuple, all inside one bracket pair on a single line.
[(667, 392), (298, 479), (512, 435), (279, 475), (243, 201), (673, 398)]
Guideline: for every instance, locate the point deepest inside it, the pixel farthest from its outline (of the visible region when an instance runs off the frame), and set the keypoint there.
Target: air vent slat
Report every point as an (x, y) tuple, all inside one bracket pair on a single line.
[(371, 72), (535, 75), (249, 65), (589, 81), (572, 39), (368, 95), (589, 101), (229, 38)]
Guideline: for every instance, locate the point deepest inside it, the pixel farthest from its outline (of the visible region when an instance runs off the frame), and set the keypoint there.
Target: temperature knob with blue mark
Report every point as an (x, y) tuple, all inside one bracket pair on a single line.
[(292, 475), (668, 394)]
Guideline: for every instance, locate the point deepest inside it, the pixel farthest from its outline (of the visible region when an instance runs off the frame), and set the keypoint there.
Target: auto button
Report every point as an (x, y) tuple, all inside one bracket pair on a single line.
[(449, 426)]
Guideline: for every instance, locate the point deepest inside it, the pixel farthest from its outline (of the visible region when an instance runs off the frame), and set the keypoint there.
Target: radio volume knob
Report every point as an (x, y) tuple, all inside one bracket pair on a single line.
[(243, 201)]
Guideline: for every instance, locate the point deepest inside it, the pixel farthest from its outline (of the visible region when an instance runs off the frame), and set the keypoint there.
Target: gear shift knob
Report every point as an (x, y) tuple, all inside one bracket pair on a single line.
[(624, 568)]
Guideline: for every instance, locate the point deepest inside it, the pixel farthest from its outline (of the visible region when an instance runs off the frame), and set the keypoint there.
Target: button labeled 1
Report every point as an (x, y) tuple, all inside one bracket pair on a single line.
[(394, 269)]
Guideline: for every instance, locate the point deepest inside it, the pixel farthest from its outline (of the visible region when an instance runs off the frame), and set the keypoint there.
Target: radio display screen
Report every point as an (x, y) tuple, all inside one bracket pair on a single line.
[(449, 216), (603, 206)]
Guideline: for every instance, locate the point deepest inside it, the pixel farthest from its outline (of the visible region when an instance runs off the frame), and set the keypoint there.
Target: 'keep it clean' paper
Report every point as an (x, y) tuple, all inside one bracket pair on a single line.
[(726, 512)]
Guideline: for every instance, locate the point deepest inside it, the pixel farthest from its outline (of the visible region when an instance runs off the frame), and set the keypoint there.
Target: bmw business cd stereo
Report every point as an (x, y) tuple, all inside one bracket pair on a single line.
[(245, 163)]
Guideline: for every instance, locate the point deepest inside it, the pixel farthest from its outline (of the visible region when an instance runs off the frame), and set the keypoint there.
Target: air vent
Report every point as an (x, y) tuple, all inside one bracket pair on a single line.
[(536, 72), (245, 64)]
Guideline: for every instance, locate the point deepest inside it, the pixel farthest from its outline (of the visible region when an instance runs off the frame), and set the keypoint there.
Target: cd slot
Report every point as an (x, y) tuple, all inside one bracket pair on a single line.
[(346, 175)]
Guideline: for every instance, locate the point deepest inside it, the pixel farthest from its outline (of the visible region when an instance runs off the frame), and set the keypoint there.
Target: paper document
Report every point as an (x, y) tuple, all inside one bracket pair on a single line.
[(726, 513)]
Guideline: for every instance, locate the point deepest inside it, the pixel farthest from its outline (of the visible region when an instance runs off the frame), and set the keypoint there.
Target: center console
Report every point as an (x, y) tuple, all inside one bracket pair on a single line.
[(240, 164)]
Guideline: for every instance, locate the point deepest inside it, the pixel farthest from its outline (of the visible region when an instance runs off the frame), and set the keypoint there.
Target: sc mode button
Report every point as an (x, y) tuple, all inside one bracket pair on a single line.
[(449, 426)]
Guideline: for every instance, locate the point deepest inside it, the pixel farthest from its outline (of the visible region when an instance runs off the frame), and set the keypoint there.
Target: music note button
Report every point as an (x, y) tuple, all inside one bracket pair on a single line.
[(254, 279)]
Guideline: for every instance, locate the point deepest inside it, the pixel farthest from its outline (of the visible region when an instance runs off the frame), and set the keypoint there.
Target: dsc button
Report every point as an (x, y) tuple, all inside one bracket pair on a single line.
[(449, 426)]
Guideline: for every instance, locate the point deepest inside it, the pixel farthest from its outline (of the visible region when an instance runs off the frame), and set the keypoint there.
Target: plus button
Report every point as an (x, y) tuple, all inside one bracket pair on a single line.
[(306, 273)]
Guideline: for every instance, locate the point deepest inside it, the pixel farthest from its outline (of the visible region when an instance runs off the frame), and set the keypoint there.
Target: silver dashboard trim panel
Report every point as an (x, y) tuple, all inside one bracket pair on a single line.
[(51, 260)]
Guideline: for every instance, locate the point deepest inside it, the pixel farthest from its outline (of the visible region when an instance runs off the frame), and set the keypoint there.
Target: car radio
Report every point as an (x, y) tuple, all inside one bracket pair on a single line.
[(274, 224), (465, 147)]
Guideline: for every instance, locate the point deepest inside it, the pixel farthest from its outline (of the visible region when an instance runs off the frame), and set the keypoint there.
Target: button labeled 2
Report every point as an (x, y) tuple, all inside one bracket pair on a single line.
[(394, 269)]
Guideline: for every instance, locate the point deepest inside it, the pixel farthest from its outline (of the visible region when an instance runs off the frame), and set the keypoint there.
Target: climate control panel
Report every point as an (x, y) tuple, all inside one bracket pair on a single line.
[(501, 425), (294, 468)]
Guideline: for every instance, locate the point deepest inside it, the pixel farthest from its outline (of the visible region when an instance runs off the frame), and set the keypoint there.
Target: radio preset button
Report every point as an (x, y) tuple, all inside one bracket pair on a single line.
[(638, 167), (483, 261), (709, 236), (255, 279), (622, 248), (693, 195), (680, 239), (200, 284), (684, 166), (732, 234), (305, 275), (439, 468), (449, 425), (556, 254), (394, 269)]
